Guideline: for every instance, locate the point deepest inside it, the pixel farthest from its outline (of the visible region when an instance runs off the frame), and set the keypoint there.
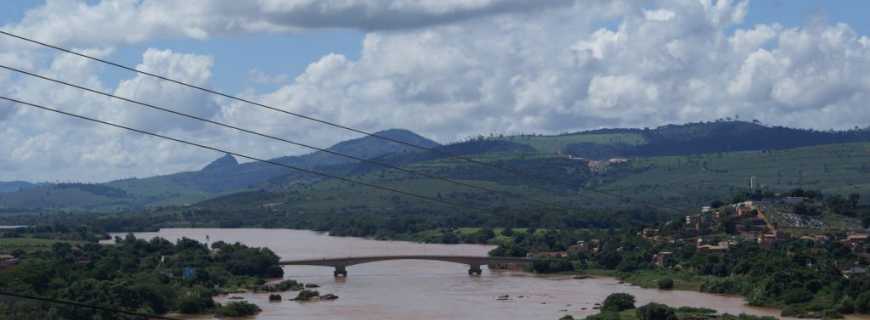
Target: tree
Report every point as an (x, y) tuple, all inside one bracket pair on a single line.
[(237, 309), (862, 303), (618, 302), (655, 311), (508, 232), (666, 283), (854, 199)]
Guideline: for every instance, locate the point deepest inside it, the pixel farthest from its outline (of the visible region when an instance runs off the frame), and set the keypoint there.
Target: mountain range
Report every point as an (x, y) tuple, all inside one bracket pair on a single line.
[(684, 164)]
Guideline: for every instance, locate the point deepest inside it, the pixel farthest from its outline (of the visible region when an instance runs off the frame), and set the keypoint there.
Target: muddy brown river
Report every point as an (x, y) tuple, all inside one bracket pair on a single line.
[(410, 289)]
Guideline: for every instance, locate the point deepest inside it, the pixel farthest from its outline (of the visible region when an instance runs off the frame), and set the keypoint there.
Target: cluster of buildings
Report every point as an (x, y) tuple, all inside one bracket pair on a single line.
[(749, 219), (7, 261)]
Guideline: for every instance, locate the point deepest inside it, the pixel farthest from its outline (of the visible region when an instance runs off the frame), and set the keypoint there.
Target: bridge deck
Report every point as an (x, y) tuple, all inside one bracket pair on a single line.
[(349, 261)]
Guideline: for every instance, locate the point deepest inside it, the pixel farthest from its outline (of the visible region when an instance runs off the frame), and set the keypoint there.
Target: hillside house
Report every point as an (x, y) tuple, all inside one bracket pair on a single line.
[(580, 247), (745, 209), (817, 239), (769, 239), (720, 247), (857, 242), (694, 221), (662, 259), (7, 261), (649, 233), (854, 271)]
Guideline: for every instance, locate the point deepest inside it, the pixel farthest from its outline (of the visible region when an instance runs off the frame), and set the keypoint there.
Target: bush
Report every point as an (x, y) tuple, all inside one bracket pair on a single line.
[(604, 316), (655, 311), (745, 317), (722, 286), (846, 306), (666, 283), (238, 309), (552, 265), (797, 296), (618, 302), (862, 303), (194, 303)]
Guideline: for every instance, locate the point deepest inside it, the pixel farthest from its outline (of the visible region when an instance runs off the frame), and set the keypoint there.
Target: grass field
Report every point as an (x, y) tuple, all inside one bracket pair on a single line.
[(841, 168), (554, 144)]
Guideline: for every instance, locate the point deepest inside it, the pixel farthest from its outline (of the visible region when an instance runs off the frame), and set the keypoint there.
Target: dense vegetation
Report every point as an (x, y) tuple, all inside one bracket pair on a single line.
[(680, 164), (804, 277), (620, 306), (712, 137), (153, 276)]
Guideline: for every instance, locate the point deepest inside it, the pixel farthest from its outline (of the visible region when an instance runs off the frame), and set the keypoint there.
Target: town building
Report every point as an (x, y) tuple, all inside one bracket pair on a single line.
[(7, 261), (663, 258), (769, 239), (857, 242), (721, 246)]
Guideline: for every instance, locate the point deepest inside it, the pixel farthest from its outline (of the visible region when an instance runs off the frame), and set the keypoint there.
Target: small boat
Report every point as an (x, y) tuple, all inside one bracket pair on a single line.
[(503, 297)]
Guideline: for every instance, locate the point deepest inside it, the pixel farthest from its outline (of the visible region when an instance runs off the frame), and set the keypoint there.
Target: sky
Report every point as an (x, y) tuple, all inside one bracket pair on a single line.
[(447, 69)]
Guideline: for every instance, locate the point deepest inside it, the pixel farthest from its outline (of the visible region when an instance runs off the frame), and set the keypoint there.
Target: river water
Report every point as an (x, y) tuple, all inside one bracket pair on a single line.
[(427, 289)]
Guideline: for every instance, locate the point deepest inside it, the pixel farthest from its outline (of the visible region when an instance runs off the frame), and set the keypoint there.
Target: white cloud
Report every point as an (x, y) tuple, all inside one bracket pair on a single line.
[(659, 15), (460, 68), (131, 21), (188, 68)]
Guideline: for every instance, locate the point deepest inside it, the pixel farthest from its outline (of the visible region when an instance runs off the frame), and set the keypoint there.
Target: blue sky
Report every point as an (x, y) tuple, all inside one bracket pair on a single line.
[(235, 57)]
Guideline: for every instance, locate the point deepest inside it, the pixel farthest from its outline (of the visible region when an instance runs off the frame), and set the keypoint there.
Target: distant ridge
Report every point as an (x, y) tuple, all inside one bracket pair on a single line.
[(12, 186), (222, 163), (554, 160), (710, 137)]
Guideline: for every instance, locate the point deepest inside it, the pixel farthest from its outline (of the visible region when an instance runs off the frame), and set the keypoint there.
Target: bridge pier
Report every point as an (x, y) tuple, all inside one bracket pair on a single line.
[(340, 272), (475, 270)]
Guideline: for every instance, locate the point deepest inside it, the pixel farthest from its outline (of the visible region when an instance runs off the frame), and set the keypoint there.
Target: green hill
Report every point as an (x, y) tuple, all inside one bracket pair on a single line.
[(221, 177), (675, 165)]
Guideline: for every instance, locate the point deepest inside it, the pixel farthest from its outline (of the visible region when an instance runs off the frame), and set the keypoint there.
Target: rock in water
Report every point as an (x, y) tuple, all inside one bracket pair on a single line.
[(307, 295)]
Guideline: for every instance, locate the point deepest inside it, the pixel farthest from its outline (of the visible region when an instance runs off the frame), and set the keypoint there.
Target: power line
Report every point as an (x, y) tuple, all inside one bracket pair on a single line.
[(308, 171), (264, 135), (313, 119), (86, 305), (258, 104), (240, 99)]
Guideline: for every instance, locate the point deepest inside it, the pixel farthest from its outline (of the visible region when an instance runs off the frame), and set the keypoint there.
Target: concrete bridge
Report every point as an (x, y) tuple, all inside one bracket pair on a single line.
[(474, 262)]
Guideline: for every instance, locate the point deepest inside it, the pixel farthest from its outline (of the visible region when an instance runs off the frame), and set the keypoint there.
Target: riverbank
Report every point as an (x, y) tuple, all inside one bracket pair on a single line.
[(419, 289), (650, 278), (690, 282)]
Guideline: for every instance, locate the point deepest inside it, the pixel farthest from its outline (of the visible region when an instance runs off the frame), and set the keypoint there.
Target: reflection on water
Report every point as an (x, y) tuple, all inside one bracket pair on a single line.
[(428, 289)]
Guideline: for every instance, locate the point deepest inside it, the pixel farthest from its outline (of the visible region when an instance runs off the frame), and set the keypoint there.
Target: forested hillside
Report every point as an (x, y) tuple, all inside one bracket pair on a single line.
[(683, 165)]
